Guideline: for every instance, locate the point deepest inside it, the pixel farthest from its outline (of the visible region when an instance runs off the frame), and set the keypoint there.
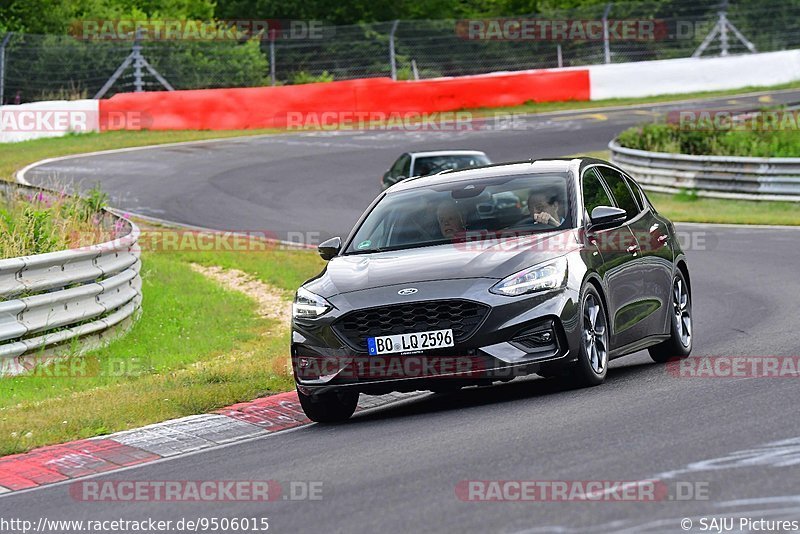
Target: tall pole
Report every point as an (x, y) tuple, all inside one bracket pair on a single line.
[(3, 65), (138, 81), (723, 33), (392, 61), (272, 59), (606, 36)]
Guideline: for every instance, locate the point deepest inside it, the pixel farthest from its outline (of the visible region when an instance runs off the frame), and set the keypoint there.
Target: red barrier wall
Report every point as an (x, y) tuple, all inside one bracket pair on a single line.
[(268, 107)]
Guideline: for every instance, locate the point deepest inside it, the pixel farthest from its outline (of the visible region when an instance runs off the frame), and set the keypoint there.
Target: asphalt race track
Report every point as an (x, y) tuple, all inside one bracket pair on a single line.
[(321, 182), (396, 469)]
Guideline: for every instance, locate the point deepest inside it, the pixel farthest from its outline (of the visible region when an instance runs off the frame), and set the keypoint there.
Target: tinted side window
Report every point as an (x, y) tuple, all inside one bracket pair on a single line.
[(616, 183), (406, 171), (643, 200), (594, 194), (400, 167)]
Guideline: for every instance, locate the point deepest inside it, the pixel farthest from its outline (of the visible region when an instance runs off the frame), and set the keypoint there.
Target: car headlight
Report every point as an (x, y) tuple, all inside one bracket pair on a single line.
[(542, 277), (308, 305)]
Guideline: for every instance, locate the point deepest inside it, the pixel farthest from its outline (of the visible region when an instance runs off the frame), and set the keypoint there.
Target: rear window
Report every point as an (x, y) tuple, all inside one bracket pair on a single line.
[(423, 166)]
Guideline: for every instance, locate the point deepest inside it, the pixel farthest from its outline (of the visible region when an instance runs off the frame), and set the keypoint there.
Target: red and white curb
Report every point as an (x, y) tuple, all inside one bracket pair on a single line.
[(86, 457)]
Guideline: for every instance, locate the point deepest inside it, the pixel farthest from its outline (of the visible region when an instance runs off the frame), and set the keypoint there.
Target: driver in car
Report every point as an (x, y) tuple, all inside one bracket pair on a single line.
[(451, 223), (545, 208)]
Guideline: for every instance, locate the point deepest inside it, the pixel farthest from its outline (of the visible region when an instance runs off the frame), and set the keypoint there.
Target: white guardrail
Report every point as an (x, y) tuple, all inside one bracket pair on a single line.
[(712, 176), (49, 302)]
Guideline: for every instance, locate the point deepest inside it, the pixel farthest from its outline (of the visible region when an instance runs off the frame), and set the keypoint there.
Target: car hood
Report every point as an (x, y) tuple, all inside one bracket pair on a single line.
[(494, 258)]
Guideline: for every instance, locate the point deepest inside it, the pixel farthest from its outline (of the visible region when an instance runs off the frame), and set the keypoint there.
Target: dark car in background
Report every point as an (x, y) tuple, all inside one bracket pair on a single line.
[(431, 162), (433, 290)]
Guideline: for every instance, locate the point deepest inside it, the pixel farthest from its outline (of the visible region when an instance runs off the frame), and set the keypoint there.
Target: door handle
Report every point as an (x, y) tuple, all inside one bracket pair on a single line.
[(663, 238), (633, 249)]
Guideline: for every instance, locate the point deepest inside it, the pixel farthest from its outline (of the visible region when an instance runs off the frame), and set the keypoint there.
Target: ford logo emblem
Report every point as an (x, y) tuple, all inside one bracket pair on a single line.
[(407, 291)]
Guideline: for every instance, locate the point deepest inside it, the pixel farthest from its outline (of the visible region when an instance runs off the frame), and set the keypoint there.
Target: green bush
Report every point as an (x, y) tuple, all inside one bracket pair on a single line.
[(659, 137), (301, 77)]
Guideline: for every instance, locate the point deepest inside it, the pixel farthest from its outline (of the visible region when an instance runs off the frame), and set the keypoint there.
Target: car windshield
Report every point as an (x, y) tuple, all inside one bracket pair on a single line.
[(466, 210), (425, 165)]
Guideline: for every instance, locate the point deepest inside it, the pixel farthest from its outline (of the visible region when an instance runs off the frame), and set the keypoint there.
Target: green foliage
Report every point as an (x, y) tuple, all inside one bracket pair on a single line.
[(47, 16), (658, 137), (46, 222), (354, 11), (304, 77)]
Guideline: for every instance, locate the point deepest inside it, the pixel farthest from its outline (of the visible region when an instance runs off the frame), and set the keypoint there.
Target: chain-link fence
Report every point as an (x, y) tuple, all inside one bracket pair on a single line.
[(36, 67)]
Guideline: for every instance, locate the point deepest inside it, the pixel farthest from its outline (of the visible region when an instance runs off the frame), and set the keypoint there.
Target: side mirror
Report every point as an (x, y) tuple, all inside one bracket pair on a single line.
[(607, 217), (330, 249)]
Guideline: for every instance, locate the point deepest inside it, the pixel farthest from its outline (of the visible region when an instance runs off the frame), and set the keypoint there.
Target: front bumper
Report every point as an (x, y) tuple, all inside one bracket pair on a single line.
[(512, 340)]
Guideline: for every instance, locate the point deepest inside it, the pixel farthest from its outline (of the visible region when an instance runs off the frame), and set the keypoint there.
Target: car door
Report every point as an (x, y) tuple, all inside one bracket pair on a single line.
[(643, 315), (619, 266), (653, 234)]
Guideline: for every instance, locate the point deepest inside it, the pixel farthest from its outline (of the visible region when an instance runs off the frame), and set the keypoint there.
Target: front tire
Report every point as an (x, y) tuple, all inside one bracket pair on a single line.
[(679, 344), (331, 407), (593, 353)]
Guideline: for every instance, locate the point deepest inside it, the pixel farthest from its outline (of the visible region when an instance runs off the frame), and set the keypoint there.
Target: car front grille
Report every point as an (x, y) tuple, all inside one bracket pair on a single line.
[(462, 316)]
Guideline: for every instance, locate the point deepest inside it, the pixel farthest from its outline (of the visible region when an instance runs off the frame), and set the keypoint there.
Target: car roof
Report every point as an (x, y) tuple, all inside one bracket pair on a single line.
[(491, 171), (433, 153)]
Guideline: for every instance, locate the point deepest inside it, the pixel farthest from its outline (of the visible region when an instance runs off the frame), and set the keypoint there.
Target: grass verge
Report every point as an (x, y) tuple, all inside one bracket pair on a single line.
[(197, 347)]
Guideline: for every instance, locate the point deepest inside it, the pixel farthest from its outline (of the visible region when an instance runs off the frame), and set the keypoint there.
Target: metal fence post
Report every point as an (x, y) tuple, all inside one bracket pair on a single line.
[(272, 61), (392, 61), (3, 65), (138, 82), (560, 57), (137, 59), (606, 36), (723, 33)]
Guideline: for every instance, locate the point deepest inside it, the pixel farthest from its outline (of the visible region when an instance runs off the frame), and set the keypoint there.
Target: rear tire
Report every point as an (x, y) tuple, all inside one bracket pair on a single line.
[(679, 344), (331, 407), (593, 353)]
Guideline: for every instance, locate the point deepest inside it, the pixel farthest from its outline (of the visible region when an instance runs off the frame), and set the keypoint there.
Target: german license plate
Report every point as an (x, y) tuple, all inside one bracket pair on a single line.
[(435, 339)]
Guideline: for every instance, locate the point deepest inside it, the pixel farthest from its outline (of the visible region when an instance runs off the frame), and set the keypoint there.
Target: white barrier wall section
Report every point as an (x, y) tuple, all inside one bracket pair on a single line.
[(688, 75), (48, 119)]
